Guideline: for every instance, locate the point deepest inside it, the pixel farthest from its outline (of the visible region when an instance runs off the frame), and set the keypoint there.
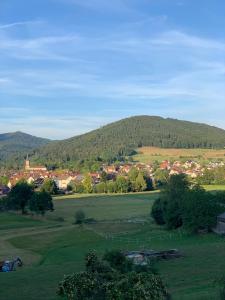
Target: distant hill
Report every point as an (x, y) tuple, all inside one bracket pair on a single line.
[(121, 138), (18, 143)]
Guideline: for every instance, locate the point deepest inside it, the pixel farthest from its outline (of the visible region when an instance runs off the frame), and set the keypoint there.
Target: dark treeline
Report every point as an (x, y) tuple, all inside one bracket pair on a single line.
[(15, 146), (182, 204)]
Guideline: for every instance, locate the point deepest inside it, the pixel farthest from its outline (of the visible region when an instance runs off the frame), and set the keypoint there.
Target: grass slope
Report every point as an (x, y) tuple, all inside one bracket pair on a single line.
[(150, 154), (58, 249)]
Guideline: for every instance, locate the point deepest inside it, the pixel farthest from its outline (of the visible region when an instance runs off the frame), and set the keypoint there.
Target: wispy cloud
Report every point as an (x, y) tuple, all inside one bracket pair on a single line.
[(15, 24)]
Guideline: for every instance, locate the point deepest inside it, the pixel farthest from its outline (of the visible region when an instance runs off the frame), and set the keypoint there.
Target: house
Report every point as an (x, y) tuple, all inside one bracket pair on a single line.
[(165, 165), (126, 168), (62, 181)]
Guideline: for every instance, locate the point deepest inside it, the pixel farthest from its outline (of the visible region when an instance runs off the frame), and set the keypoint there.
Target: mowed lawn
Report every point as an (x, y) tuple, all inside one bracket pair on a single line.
[(60, 247)]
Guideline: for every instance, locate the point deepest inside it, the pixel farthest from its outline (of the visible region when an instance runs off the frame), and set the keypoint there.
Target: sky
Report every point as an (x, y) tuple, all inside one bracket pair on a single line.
[(70, 66)]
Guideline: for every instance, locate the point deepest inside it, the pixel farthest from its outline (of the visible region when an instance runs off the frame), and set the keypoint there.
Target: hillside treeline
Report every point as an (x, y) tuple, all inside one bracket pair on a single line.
[(120, 139)]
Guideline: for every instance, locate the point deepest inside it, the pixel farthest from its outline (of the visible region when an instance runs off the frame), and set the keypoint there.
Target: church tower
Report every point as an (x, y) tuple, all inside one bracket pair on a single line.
[(27, 163)]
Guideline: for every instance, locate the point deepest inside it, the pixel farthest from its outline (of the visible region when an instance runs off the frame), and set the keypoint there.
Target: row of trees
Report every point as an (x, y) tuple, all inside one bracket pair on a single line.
[(215, 176), (189, 206), (135, 182), (113, 277), (23, 197)]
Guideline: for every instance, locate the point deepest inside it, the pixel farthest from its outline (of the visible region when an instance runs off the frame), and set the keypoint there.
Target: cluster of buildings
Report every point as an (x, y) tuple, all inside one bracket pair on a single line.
[(62, 178)]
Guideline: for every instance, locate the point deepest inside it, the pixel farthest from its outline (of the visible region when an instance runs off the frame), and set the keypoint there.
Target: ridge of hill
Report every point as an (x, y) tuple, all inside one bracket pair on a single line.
[(18, 143), (119, 139)]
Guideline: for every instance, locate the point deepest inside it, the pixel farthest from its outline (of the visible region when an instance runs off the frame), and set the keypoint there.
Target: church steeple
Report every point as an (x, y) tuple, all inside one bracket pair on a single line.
[(27, 163)]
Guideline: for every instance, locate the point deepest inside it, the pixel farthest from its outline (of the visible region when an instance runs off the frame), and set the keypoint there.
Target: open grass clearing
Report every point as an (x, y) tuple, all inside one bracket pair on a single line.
[(52, 251), (150, 154)]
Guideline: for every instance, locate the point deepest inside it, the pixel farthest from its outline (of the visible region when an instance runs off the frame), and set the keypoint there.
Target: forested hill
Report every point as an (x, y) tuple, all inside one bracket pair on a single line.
[(123, 137), (17, 143)]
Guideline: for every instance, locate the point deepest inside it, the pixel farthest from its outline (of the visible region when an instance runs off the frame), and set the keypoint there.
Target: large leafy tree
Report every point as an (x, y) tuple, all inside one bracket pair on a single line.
[(49, 186), (140, 183), (87, 183), (199, 210), (103, 280), (122, 184), (20, 196), (41, 202), (190, 207)]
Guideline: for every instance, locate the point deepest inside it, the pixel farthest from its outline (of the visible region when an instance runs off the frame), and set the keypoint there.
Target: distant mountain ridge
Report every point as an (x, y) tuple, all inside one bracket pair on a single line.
[(121, 138), (18, 143)]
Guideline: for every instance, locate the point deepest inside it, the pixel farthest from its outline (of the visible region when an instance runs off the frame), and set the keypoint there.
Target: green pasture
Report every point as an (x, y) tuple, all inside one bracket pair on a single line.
[(52, 246)]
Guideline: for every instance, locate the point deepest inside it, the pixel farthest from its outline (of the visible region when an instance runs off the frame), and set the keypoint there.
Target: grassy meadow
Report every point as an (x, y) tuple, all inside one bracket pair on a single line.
[(150, 154), (52, 246)]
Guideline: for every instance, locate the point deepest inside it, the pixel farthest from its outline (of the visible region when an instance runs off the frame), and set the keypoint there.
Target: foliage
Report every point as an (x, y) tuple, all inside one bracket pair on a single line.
[(87, 184), (120, 139), (79, 217), (19, 196), (158, 210), (111, 187), (101, 187), (4, 180), (199, 210), (140, 183), (122, 184), (40, 202), (101, 281), (15, 146), (214, 176), (173, 195), (190, 207), (49, 186), (161, 177)]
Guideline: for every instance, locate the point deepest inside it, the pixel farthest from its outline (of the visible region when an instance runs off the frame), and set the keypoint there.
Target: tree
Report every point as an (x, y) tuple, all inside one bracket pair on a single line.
[(49, 186), (101, 187), (200, 210), (87, 183), (104, 177), (79, 217), (122, 184), (77, 187), (158, 210), (41, 202), (111, 187), (168, 209), (103, 280), (133, 174), (4, 180), (161, 176), (173, 196), (140, 183), (19, 196)]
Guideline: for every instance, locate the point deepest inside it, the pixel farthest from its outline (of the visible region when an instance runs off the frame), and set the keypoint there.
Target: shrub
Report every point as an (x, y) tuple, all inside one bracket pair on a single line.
[(79, 217)]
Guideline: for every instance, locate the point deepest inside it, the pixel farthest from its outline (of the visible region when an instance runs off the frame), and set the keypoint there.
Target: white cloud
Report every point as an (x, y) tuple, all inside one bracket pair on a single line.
[(16, 24)]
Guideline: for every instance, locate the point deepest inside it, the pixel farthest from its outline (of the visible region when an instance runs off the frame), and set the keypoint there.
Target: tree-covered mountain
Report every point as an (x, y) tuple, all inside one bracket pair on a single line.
[(18, 143), (121, 138)]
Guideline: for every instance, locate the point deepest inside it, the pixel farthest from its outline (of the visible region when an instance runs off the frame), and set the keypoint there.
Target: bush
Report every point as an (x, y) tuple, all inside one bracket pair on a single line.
[(157, 212), (102, 281), (79, 217)]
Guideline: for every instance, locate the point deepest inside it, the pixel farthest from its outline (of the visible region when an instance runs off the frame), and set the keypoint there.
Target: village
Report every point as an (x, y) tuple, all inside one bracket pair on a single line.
[(36, 175)]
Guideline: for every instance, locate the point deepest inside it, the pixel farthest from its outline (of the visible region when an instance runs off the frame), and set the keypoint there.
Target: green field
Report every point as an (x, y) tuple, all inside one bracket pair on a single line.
[(151, 154), (53, 246)]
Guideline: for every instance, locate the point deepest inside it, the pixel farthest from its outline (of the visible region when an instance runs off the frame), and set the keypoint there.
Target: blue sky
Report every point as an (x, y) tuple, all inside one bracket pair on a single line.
[(69, 66)]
